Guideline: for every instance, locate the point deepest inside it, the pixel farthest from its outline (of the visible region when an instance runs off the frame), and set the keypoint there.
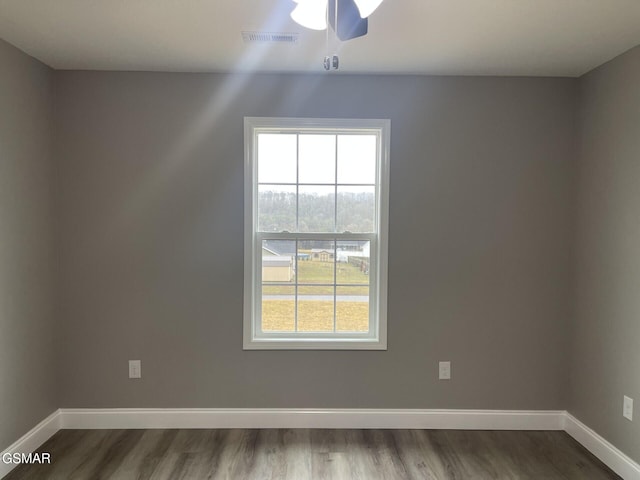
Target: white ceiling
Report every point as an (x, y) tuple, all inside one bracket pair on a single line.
[(468, 37)]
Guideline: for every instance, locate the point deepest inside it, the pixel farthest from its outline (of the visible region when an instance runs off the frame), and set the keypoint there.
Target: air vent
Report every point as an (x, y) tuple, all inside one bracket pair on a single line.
[(270, 37)]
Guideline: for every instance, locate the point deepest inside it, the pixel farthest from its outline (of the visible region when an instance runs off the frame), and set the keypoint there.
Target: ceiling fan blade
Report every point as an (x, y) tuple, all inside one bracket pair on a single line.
[(367, 7), (345, 19), (311, 14)]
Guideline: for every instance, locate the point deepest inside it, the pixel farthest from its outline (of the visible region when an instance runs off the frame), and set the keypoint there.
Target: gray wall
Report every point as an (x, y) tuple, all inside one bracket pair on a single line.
[(482, 237), (27, 393), (606, 330), (151, 241)]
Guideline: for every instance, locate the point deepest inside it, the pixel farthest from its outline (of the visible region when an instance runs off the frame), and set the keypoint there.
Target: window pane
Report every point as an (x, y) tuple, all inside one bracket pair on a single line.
[(357, 159), (356, 209), (276, 208), (278, 261), (353, 262), (278, 308), (276, 158), (352, 309), (315, 310), (317, 159), (316, 209), (316, 262)]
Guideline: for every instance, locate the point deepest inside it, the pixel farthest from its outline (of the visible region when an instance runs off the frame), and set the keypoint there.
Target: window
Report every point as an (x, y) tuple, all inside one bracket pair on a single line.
[(316, 207)]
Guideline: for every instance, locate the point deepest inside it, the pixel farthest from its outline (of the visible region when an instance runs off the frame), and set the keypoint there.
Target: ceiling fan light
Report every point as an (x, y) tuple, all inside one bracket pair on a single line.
[(311, 14), (367, 7)]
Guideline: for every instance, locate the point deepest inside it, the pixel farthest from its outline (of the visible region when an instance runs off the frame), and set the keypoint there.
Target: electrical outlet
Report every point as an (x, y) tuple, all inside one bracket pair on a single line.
[(445, 370), (627, 408), (135, 369)]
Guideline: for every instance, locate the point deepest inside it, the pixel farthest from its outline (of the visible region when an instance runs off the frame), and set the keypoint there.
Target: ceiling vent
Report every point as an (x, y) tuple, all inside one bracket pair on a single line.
[(270, 37)]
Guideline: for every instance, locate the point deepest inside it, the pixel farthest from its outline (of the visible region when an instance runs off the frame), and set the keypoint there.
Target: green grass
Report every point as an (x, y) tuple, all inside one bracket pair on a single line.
[(314, 272)]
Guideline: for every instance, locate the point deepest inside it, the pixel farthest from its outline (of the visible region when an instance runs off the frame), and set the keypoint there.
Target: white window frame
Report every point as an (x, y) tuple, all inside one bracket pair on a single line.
[(376, 338)]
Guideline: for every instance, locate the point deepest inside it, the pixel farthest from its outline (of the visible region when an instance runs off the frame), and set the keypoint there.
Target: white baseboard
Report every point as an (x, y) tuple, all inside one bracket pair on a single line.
[(30, 441), (325, 418), (601, 448), (312, 418)]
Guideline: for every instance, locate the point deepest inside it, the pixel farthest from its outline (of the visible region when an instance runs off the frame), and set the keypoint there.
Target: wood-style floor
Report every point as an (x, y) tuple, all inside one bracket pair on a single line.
[(313, 454)]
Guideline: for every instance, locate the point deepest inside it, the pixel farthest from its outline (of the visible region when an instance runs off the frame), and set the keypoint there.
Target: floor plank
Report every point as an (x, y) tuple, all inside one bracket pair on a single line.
[(313, 454)]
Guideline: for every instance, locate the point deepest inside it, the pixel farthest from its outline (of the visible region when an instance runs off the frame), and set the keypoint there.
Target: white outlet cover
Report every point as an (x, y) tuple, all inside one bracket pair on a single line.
[(135, 369), (627, 408), (444, 370)]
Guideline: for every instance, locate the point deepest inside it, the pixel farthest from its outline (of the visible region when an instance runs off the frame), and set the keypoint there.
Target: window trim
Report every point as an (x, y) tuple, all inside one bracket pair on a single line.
[(376, 340)]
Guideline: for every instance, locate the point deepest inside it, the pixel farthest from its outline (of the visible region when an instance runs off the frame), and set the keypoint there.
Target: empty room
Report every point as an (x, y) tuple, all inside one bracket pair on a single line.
[(319, 239)]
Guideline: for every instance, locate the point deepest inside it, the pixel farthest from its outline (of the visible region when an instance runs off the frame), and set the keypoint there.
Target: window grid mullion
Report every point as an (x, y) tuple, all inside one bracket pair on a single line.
[(335, 243), (335, 270), (295, 253), (315, 236), (282, 284), (295, 293), (335, 186), (378, 183), (305, 184), (297, 183)]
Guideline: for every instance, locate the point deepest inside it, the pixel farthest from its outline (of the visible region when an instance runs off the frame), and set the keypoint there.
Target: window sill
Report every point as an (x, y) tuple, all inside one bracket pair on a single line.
[(314, 344)]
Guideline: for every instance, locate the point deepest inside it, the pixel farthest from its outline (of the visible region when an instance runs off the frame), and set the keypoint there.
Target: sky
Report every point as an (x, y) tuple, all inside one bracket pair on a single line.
[(356, 159)]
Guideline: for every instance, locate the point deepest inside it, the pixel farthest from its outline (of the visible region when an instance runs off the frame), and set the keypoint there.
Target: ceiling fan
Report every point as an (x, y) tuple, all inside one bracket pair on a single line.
[(348, 18)]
